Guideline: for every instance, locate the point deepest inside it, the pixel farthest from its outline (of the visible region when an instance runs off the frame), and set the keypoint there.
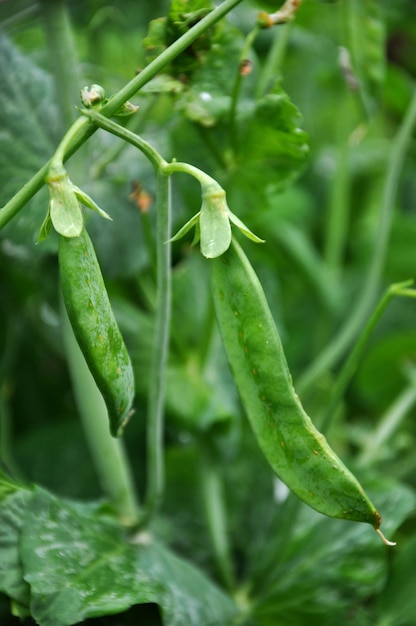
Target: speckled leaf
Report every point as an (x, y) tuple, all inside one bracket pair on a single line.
[(81, 565), (12, 512), (207, 99), (273, 148), (78, 565), (28, 135), (186, 595)]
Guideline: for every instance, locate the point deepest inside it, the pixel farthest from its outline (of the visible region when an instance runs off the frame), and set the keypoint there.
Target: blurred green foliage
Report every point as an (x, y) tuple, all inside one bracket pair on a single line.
[(301, 143)]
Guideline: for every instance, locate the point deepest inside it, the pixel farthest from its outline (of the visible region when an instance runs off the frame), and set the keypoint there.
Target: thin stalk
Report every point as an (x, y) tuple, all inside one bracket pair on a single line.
[(272, 67), (338, 346), (108, 454), (389, 423), (112, 154), (154, 157), (156, 395), (127, 135), (23, 196), (351, 364), (67, 139), (338, 213), (235, 94), (215, 511)]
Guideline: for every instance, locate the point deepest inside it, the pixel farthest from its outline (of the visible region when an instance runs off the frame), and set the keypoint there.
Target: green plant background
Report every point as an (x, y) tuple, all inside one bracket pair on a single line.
[(318, 208)]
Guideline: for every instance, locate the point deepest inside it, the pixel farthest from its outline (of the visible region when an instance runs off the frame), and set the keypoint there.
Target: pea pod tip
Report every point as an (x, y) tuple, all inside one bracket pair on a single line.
[(384, 539)]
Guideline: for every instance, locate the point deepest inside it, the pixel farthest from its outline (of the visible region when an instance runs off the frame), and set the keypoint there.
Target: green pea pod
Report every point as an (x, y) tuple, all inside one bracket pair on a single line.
[(297, 452), (95, 327)]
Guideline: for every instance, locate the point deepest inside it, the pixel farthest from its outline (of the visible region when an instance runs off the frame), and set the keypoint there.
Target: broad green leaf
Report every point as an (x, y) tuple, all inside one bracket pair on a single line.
[(187, 596), (204, 107), (12, 512), (207, 100), (28, 127), (155, 41), (81, 565), (273, 148), (77, 565), (183, 10), (182, 15)]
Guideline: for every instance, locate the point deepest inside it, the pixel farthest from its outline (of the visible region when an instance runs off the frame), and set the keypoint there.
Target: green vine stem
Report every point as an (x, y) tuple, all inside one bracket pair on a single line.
[(351, 364), (108, 453), (71, 134), (388, 424), (156, 394), (338, 346), (274, 62), (21, 198), (126, 135), (339, 201), (216, 514), (235, 94), (147, 149)]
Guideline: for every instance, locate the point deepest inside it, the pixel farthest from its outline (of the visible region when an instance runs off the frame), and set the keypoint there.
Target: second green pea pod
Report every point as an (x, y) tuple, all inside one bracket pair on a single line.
[(95, 328), (297, 452)]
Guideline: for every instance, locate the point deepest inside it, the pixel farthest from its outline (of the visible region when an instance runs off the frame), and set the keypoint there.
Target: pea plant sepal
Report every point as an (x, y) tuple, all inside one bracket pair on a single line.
[(213, 222), (64, 211), (296, 451)]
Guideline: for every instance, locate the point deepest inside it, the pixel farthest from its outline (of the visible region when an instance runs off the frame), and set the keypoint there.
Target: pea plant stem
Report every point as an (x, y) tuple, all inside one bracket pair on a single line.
[(388, 424), (351, 364), (352, 326), (235, 94), (156, 393), (22, 197), (126, 135), (67, 139), (272, 68), (339, 203), (108, 453), (147, 149), (216, 514)]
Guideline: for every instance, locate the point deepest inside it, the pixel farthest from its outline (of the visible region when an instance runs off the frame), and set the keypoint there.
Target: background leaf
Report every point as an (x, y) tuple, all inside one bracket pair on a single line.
[(80, 565), (12, 512), (26, 102)]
